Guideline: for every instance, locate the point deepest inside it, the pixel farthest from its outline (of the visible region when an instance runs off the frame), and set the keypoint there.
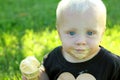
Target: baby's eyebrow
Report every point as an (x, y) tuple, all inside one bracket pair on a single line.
[(71, 29), (91, 28)]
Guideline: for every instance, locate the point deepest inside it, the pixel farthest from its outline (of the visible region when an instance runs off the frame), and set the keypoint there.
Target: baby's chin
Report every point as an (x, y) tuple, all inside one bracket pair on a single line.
[(80, 57)]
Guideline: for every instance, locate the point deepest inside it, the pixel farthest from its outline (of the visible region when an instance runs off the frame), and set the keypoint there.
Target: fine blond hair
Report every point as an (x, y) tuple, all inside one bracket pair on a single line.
[(79, 6)]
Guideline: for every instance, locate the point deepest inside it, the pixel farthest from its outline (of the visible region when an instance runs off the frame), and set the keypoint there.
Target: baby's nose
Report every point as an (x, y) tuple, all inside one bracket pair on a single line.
[(80, 41)]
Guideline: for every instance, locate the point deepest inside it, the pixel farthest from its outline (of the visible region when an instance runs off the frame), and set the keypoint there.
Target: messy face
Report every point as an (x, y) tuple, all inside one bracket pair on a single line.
[(81, 34)]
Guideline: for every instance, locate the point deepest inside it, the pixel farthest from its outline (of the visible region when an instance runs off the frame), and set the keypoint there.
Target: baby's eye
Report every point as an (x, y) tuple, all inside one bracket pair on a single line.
[(90, 33), (71, 33)]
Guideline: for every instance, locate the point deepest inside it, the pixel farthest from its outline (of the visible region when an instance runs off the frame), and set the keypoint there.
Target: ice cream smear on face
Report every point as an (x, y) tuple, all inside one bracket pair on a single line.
[(30, 67)]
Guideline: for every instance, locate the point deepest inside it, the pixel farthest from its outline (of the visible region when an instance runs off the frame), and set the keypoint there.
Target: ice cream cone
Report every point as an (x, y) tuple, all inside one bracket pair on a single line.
[(30, 68)]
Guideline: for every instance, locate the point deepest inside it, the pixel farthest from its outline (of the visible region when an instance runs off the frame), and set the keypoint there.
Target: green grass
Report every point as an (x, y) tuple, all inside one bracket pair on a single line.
[(27, 27), (111, 39)]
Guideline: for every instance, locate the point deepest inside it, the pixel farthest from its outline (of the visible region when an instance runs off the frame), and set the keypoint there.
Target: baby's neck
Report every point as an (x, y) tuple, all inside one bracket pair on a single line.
[(72, 59)]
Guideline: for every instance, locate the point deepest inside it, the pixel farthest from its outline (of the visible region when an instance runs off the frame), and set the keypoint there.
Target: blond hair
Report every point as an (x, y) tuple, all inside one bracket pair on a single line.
[(79, 6)]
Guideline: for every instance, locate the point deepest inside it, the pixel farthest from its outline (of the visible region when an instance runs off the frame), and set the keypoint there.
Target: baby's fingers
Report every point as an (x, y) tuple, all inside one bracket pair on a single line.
[(24, 78)]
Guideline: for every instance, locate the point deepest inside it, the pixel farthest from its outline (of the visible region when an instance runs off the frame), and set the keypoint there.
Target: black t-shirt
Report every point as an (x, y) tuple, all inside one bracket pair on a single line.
[(104, 66)]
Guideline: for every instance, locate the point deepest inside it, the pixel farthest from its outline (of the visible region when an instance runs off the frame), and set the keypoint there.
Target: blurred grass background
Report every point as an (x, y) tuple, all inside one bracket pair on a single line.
[(27, 27)]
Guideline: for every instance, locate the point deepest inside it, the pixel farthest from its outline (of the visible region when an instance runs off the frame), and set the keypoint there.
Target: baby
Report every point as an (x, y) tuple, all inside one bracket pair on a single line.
[(81, 25)]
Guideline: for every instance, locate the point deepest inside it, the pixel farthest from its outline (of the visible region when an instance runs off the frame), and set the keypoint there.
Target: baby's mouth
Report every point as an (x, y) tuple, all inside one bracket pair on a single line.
[(80, 50)]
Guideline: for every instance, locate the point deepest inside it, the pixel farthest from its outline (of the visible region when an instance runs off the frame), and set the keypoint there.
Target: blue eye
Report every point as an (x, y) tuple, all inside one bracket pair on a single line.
[(90, 33), (72, 33)]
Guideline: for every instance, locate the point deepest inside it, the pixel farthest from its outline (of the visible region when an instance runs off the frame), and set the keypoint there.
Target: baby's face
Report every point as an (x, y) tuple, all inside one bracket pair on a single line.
[(81, 34)]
